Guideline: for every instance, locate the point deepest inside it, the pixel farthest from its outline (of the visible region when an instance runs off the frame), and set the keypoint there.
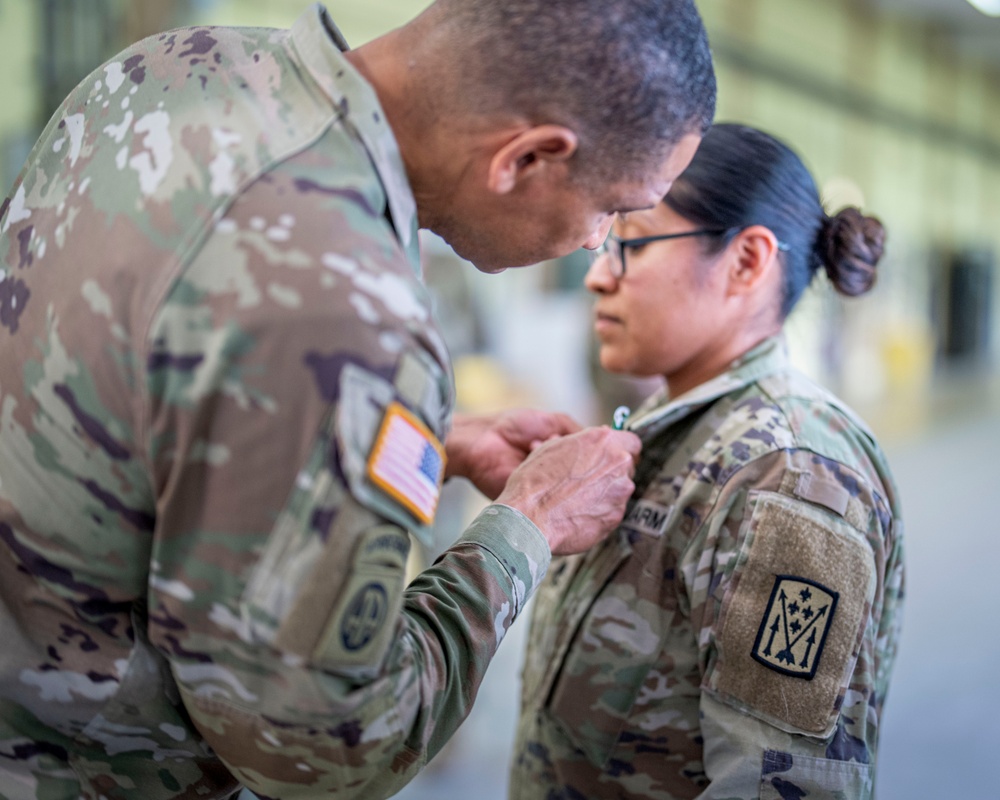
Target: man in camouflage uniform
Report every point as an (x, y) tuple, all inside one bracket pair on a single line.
[(223, 397), (735, 637)]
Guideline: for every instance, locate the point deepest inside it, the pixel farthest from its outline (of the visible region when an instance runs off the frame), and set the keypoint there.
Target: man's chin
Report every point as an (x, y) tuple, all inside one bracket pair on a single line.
[(489, 269), (488, 263), (493, 263)]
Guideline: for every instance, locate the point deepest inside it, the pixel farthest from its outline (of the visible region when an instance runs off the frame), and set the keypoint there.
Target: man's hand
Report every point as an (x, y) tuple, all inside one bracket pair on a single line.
[(575, 488), (487, 448)]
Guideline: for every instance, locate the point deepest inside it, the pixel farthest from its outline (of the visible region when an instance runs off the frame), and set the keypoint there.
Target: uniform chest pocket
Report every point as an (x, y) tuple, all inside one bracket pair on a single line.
[(618, 640)]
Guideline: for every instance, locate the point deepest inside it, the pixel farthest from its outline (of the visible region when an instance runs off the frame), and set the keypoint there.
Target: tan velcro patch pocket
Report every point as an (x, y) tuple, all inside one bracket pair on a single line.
[(793, 615)]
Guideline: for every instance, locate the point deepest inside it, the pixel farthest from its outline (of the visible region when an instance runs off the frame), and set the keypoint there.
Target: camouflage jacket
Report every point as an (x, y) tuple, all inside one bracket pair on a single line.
[(734, 639), (222, 398)]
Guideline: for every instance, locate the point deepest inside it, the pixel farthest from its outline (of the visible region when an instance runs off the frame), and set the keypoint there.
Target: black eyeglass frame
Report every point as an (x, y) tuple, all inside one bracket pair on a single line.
[(640, 241)]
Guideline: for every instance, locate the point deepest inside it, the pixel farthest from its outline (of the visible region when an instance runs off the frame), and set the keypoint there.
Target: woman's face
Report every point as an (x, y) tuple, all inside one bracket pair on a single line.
[(668, 315)]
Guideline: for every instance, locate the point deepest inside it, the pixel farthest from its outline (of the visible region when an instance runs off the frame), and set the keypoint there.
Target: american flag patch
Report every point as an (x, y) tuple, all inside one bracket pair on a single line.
[(407, 462)]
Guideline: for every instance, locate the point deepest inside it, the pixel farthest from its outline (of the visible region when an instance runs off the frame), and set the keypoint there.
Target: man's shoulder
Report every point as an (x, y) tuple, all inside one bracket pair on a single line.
[(171, 128)]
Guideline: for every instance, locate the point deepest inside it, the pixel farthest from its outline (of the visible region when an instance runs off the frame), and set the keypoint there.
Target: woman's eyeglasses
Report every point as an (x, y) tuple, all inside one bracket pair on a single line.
[(615, 248)]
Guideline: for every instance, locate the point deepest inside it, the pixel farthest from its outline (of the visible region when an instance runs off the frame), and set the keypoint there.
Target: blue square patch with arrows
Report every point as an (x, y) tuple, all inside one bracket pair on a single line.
[(794, 626)]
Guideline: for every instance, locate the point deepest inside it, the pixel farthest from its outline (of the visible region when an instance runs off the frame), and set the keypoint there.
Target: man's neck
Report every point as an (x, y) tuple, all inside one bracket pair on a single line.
[(396, 73)]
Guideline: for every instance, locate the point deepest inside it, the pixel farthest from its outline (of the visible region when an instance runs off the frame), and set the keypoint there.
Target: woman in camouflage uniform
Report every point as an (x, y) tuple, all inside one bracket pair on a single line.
[(734, 639)]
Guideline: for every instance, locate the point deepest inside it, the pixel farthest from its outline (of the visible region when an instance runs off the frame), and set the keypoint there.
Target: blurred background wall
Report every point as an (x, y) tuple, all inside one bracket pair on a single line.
[(895, 106)]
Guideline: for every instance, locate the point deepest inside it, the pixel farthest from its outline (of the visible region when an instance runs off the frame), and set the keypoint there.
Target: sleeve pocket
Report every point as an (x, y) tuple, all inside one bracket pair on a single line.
[(330, 598), (328, 584), (784, 775)]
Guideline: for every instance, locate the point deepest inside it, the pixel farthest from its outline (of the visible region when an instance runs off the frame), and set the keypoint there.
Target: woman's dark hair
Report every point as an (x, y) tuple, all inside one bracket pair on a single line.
[(741, 176)]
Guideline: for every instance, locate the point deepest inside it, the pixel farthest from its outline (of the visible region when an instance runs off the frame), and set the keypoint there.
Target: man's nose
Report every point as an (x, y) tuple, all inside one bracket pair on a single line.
[(598, 237)]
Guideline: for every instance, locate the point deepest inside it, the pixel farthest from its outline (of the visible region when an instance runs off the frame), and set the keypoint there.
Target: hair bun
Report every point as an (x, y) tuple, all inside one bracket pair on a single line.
[(851, 245)]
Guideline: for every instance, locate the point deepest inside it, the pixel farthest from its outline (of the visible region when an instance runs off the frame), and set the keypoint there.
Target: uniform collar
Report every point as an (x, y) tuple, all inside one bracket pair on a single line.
[(659, 411), (321, 47)]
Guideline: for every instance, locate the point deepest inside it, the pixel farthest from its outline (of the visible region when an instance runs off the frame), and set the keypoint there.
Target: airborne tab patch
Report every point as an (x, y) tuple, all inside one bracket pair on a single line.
[(407, 462), (794, 626)]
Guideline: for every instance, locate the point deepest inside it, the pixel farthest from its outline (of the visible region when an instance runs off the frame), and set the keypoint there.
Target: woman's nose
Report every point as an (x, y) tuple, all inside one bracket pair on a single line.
[(599, 278)]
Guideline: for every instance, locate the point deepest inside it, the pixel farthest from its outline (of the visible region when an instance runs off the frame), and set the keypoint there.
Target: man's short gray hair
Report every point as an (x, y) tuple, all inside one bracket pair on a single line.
[(631, 77)]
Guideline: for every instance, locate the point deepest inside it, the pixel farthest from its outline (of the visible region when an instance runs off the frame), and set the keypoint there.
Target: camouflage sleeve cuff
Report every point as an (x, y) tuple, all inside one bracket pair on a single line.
[(515, 541)]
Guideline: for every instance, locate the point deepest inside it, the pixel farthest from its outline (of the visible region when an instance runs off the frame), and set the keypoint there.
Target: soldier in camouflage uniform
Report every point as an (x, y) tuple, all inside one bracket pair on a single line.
[(223, 396), (734, 638)]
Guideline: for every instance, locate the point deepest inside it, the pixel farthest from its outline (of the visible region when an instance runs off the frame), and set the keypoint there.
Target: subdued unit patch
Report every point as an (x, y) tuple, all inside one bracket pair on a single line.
[(794, 626), (363, 618)]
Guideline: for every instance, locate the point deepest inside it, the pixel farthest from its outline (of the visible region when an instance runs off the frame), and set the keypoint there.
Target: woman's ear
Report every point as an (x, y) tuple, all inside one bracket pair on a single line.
[(529, 152), (754, 259)]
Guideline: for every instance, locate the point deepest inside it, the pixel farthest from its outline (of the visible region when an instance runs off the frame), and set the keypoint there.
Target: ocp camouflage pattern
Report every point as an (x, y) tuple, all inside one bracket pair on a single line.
[(734, 639), (209, 294)]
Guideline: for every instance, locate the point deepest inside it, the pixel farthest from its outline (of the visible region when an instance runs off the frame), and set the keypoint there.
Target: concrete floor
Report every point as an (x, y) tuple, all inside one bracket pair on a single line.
[(941, 729), (942, 723)]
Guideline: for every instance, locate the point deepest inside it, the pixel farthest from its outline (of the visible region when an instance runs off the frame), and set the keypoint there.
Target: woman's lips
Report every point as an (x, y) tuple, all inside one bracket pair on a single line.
[(605, 322)]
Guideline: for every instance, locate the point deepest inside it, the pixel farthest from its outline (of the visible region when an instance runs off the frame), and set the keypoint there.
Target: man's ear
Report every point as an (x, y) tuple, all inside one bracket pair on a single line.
[(754, 259), (527, 153)]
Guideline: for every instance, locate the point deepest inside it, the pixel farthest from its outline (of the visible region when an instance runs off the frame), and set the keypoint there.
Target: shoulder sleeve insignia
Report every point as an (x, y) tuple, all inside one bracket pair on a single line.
[(407, 462), (794, 626), (794, 614), (366, 611)]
